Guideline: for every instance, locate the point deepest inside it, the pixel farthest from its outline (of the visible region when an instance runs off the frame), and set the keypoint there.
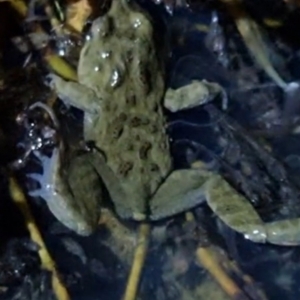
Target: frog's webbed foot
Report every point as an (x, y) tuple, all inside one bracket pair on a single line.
[(234, 209), (75, 94), (181, 191), (284, 232), (194, 94), (237, 213), (72, 194)]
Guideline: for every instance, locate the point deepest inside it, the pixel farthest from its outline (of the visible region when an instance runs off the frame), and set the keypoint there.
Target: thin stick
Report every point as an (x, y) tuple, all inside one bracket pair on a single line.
[(138, 262), (206, 257), (207, 260), (249, 285), (47, 262)]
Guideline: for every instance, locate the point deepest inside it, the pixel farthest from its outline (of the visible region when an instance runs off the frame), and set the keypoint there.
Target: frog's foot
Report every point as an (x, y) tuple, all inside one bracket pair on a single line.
[(182, 190), (194, 94), (75, 94), (285, 232), (237, 213), (72, 195)]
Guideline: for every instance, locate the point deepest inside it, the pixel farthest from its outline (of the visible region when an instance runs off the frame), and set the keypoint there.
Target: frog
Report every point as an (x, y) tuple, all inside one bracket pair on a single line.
[(121, 91)]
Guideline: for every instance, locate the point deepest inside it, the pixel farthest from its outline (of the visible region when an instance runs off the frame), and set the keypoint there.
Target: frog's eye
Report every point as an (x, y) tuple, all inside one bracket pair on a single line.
[(102, 26)]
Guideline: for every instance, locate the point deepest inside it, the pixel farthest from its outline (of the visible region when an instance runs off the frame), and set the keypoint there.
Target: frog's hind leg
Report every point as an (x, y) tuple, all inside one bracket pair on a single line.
[(73, 194), (181, 191), (237, 213), (194, 94), (185, 189)]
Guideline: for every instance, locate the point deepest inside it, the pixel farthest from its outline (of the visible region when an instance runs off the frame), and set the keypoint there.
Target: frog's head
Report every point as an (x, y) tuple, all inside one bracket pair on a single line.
[(101, 27), (121, 14)]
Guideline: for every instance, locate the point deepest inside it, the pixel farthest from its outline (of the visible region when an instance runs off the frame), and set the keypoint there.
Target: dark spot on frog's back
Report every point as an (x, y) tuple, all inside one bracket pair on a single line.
[(121, 118), (131, 100), (153, 128), (154, 167), (117, 125), (116, 130), (139, 121), (144, 150), (145, 79), (125, 167)]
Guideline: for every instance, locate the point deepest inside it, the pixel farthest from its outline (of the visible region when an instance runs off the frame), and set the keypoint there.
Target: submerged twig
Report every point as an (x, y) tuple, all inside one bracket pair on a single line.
[(47, 262), (56, 63), (77, 13), (138, 262), (207, 259), (214, 260), (57, 27)]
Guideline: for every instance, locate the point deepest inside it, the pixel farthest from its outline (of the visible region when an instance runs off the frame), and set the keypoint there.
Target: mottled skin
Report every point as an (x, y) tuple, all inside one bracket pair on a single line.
[(121, 91)]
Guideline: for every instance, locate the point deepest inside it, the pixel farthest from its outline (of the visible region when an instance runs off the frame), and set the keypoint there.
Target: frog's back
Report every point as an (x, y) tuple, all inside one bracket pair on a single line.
[(131, 128)]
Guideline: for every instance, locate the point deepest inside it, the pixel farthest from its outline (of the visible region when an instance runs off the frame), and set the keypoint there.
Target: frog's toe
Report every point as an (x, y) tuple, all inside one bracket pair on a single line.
[(51, 79), (34, 176), (36, 193), (40, 192)]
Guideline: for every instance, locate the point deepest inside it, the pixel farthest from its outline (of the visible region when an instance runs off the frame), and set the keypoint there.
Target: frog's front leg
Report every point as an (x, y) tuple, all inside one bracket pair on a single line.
[(194, 94), (76, 94), (73, 193)]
